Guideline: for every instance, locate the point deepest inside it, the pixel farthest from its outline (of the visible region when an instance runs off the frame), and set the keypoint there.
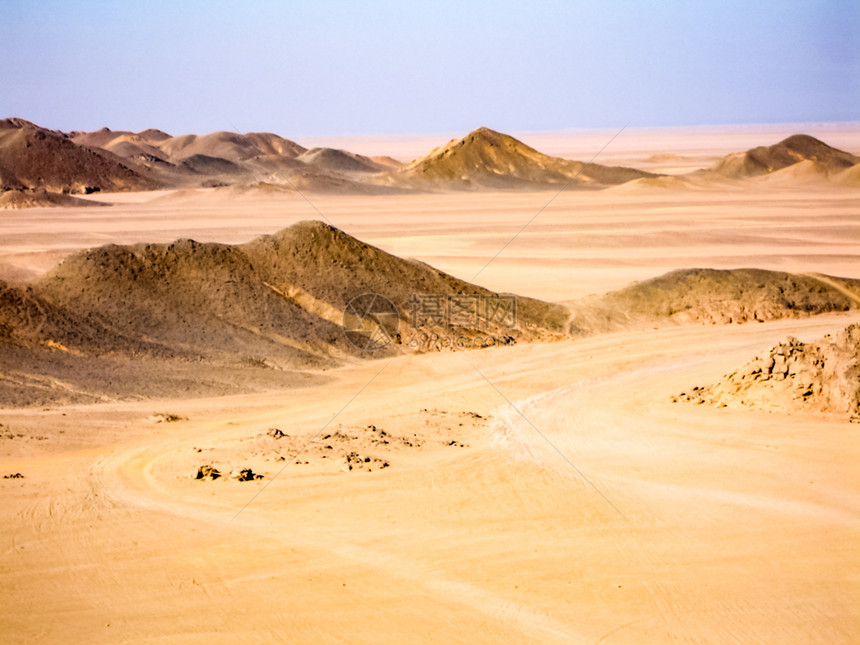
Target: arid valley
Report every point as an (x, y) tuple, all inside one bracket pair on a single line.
[(640, 455)]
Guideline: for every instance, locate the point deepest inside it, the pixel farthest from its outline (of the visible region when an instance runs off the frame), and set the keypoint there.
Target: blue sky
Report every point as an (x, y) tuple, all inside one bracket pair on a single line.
[(379, 67)]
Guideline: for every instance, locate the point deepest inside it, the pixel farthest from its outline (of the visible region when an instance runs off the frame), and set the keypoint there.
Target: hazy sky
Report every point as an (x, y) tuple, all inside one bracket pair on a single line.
[(378, 67)]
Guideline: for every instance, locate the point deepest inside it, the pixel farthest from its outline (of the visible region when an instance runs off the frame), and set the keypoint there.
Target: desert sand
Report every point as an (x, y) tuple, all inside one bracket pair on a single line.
[(545, 492), (582, 243)]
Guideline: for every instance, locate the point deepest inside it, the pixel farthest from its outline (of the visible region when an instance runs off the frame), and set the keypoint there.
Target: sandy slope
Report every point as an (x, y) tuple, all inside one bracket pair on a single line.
[(677, 524)]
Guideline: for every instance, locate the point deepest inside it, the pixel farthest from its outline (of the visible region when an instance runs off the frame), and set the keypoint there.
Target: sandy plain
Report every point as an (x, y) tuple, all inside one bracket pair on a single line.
[(599, 512)]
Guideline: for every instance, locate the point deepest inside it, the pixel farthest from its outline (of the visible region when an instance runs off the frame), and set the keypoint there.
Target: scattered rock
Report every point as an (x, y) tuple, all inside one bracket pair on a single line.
[(823, 376), (378, 435), (355, 461), (14, 476)]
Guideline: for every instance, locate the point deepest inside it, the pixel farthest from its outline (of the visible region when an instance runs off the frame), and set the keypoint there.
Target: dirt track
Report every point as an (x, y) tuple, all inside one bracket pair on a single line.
[(730, 525)]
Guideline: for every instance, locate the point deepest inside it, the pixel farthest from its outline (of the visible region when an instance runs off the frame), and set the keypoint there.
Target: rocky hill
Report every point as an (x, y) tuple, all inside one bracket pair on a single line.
[(35, 158), (284, 302), (823, 376), (712, 296), (485, 158), (795, 149)]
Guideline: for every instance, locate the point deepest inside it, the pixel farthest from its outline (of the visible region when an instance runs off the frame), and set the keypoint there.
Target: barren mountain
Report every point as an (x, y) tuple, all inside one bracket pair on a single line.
[(106, 159), (821, 377), (140, 151), (241, 160), (485, 158), (790, 151), (32, 157)]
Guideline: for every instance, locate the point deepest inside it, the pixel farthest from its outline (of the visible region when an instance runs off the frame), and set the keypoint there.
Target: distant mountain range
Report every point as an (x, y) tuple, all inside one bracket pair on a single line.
[(37, 164)]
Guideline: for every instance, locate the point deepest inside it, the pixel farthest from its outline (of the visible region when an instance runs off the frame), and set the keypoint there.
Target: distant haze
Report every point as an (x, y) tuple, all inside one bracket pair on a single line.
[(380, 67)]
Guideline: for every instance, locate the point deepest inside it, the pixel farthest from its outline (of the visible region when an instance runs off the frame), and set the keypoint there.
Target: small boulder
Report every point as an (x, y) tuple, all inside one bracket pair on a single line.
[(207, 471), (244, 475)]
